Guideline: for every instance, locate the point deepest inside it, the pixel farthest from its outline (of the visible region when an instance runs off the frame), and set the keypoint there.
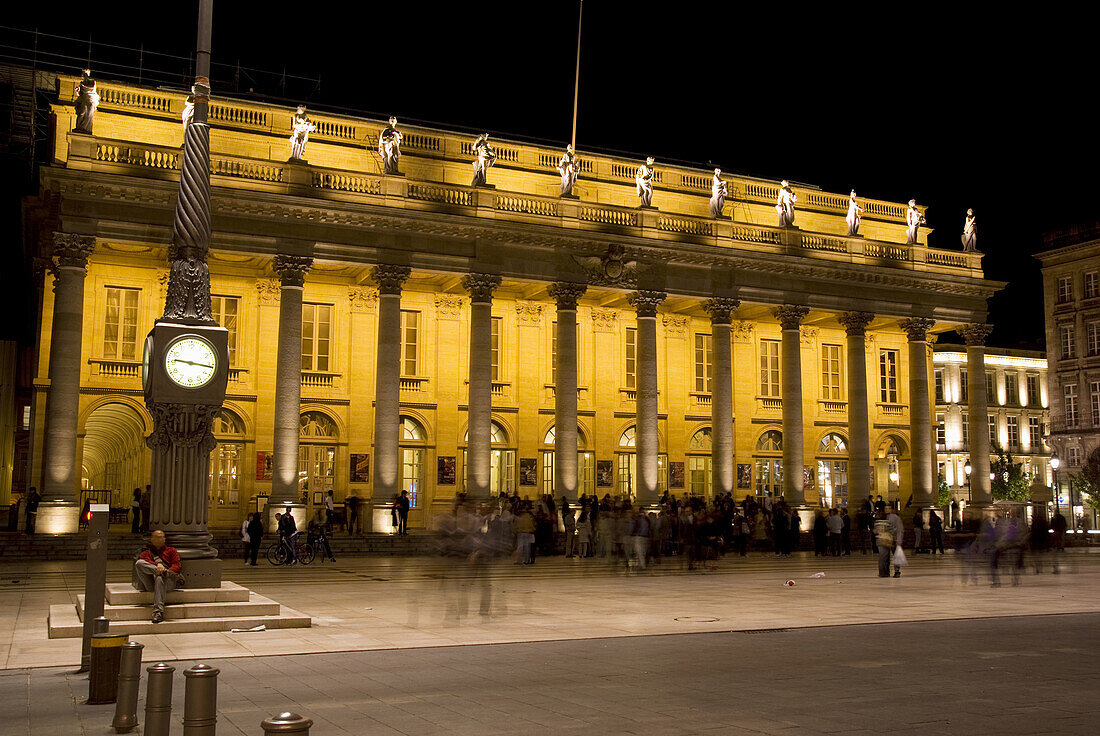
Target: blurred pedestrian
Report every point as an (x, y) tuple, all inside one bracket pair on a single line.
[(255, 537), (935, 529), (918, 530), (835, 527), (135, 512)]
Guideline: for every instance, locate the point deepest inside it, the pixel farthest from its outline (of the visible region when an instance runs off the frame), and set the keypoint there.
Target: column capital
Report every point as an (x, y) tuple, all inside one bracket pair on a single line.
[(975, 334), (720, 309), (855, 323), (389, 278), (916, 328), (790, 316), (566, 293), (646, 302), (71, 250), (292, 269), (481, 286)]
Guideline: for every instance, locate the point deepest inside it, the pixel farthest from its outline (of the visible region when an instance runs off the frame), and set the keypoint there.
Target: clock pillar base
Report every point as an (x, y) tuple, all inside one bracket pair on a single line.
[(202, 573), (57, 517)]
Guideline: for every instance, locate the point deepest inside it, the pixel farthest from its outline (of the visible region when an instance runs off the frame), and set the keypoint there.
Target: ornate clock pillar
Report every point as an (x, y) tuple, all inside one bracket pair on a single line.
[(186, 355)]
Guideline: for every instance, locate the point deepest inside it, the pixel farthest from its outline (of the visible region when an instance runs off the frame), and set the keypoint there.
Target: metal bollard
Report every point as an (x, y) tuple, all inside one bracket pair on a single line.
[(158, 700), (200, 700), (103, 677), (287, 723), (129, 677)]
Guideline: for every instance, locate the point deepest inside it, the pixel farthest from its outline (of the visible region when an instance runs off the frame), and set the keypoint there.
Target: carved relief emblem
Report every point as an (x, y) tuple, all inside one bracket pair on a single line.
[(528, 313), (269, 290), (448, 306), (675, 324), (362, 298), (604, 320), (613, 268)]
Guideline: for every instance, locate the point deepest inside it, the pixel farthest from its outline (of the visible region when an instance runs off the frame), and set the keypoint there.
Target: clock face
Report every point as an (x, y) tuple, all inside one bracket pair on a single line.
[(145, 363), (190, 362)]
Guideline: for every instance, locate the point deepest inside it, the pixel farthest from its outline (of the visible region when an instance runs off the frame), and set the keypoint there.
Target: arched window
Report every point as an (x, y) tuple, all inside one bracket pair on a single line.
[(628, 437), (502, 462), (316, 455), (833, 444), (225, 463), (628, 465), (413, 454), (228, 423), (701, 440), (412, 430), (770, 441), (586, 463), (497, 435)]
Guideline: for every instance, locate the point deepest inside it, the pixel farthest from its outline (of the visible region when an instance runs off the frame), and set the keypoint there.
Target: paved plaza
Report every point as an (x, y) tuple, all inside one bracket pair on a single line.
[(426, 646)]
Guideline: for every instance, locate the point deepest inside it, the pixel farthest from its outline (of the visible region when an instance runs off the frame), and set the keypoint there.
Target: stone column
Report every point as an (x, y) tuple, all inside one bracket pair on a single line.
[(480, 412), (565, 389), (721, 401), (790, 318), (292, 271), (859, 437), (58, 513), (920, 418), (981, 493), (647, 439), (387, 391)]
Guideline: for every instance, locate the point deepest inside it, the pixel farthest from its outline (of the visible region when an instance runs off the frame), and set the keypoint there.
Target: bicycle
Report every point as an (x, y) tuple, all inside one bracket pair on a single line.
[(279, 553)]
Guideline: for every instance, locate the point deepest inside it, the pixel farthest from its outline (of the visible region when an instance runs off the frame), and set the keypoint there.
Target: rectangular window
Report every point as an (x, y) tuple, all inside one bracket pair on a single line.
[(1092, 338), (704, 363), (548, 471), (1034, 436), (699, 469), (410, 326), (966, 430), (1012, 388), (1094, 399), (587, 467), (1070, 393), (769, 367), (1065, 289), (991, 388), (1033, 390), (1092, 285), (993, 430), (316, 336), (631, 357), (494, 347), (120, 324), (1013, 433), (938, 375), (888, 376), (1074, 457), (941, 432), (225, 310), (27, 418), (830, 372), (964, 389), (1069, 342)]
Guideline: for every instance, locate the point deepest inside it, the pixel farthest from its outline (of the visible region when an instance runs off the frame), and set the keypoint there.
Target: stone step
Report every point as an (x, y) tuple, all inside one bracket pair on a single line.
[(257, 606), (123, 594), (65, 624)]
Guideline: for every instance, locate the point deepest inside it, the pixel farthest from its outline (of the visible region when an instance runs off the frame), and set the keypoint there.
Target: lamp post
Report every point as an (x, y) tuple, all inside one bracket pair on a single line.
[(967, 470), (894, 479), (1054, 463)]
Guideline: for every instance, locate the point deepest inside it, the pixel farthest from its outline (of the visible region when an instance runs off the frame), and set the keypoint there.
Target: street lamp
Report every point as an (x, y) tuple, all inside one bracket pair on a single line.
[(1054, 463), (968, 469)]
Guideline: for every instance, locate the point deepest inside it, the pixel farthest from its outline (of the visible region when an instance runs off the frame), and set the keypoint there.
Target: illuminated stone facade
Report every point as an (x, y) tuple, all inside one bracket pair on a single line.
[(461, 290)]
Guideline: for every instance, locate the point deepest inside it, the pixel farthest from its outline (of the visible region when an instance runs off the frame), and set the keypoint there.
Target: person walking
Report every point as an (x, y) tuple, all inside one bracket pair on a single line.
[(890, 532), (835, 526), (351, 504), (330, 509), (146, 505), (245, 540), (935, 531), (525, 536), (255, 537), (569, 523), (403, 514), (918, 531), (821, 533), (31, 512), (846, 531), (135, 512), (317, 533), (584, 533)]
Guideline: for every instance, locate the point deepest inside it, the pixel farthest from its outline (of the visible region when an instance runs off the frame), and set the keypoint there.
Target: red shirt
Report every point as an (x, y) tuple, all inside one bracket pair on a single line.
[(168, 554)]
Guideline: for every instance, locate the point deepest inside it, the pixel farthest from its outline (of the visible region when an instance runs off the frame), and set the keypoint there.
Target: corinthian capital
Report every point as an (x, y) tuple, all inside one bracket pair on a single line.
[(916, 328), (481, 286), (292, 269), (389, 278), (566, 293), (720, 309), (72, 251), (646, 302), (855, 323), (976, 334), (790, 316)]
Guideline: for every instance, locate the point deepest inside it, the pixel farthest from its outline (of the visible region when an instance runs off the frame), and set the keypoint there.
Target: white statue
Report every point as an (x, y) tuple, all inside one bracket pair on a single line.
[(644, 182), (389, 146), (970, 233), (87, 102), (567, 167), (855, 215), (914, 219), (484, 158), (302, 127), (784, 204), (718, 192), (188, 109)]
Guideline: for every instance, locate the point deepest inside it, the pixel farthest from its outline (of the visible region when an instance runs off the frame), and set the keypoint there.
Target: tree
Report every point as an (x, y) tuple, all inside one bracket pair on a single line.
[(943, 492), (1009, 481), (1087, 482)]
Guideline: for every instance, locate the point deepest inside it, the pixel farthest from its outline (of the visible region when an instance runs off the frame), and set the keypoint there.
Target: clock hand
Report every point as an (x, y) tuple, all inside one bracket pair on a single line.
[(191, 362)]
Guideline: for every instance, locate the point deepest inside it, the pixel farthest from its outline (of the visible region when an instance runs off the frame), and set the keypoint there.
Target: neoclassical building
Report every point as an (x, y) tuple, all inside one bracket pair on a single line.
[(413, 332)]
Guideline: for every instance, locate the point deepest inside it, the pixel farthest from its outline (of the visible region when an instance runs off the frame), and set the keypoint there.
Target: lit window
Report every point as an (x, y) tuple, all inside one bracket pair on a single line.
[(225, 310), (1033, 390), (938, 375), (1070, 394), (888, 376), (1034, 434), (964, 388), (1013, 424), (701, 440), (494, 347), (990, 387), (830, 372), (120, 324), (704, 367), (316, 336), (410, 323), (631, 357), (941, 432), (769, 367), (1065, 289)]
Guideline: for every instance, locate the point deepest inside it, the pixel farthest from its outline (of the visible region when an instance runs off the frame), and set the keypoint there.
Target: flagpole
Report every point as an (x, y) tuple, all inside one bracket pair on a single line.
[(577, 78)]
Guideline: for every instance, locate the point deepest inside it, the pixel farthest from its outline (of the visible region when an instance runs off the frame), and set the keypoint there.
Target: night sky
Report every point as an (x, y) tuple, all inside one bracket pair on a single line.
[(955, 110)]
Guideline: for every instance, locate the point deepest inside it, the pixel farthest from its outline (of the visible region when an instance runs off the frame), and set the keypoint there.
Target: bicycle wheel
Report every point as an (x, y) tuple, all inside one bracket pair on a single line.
[(305, 553), (276, 554)]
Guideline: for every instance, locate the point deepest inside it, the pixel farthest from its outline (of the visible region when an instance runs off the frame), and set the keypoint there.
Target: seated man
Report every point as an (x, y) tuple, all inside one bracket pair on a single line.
[(157, 569)]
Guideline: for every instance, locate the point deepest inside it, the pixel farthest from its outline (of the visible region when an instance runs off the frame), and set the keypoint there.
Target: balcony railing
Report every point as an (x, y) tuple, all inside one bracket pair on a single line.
[(412, 385), (319, 379), (769, 403), (834, 407), (892, 410), (116, 368)]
